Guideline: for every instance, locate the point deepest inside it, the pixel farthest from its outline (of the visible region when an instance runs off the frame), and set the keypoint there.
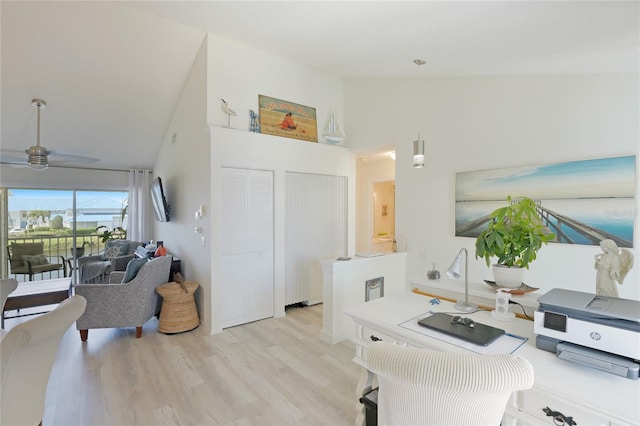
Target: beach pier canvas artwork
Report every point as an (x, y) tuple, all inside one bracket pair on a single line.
[(583, 202), (287, 119)]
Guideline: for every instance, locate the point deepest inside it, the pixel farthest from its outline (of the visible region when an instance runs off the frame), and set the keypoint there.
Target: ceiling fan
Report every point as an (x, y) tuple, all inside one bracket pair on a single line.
[(39, 157)]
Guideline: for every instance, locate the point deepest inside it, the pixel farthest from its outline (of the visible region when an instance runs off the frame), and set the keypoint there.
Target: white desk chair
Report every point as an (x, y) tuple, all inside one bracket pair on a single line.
[(27, 353), (7, 286), (421, 387)]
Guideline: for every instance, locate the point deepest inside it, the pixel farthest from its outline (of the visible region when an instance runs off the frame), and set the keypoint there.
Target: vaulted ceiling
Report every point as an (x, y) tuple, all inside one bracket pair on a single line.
[(112, 72)]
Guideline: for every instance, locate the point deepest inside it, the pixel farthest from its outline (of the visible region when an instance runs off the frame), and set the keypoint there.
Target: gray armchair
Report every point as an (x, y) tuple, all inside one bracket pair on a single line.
[(95, 269), (129, 304)]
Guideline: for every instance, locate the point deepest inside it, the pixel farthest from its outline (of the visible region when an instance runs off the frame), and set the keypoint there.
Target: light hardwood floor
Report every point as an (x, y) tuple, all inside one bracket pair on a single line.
[(270, 372)]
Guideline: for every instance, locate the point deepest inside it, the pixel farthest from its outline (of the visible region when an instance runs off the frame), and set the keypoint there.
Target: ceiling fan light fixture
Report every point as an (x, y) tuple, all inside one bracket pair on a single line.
[(38, 167), (37, 157)]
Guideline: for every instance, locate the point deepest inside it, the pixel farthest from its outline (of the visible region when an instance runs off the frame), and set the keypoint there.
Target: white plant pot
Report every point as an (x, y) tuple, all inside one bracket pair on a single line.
[(508, 276)]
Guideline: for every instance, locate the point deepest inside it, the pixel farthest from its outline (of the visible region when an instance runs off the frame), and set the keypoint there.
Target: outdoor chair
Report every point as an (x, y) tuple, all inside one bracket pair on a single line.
[(29, 259)]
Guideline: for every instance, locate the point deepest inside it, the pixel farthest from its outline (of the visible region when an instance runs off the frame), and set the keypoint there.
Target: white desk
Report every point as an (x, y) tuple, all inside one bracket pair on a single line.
[(590, 396)]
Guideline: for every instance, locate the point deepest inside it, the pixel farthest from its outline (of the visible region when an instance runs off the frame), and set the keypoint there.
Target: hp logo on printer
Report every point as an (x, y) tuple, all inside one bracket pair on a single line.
[(595, 335)]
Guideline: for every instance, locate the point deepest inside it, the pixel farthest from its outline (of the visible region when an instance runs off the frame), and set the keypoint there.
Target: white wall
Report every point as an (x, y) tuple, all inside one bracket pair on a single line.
[(475, 123), (185, 171), (239, 73), (234, 148)]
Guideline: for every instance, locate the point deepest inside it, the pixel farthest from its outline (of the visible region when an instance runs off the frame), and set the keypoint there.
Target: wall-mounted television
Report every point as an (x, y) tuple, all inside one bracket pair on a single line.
[(160, 205)]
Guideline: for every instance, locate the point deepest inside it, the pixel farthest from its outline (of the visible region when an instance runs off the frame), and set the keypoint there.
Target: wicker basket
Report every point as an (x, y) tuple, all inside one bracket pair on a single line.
[(178, 312)]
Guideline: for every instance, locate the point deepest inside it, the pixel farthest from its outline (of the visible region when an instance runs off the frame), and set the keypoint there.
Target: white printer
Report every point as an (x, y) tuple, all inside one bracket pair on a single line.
[(602, 332)]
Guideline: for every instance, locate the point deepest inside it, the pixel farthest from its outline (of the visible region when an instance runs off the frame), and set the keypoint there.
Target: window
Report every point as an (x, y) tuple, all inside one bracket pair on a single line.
[(70, 223)]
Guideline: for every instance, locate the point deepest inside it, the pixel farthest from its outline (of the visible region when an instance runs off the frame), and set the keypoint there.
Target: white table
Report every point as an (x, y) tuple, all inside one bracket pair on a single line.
[(590, 396)]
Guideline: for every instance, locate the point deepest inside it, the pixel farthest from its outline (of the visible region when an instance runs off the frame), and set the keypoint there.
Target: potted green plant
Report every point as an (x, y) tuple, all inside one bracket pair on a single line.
[(118, 231), (79, 251), (514, 235), (108, 234)]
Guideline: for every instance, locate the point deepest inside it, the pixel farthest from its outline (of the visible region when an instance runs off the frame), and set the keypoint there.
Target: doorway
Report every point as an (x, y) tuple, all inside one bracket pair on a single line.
[(383, 216), (375, 174)]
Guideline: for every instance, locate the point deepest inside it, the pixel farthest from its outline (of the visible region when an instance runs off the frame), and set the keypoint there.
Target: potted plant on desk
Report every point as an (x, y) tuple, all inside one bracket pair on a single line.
[(514, 235)]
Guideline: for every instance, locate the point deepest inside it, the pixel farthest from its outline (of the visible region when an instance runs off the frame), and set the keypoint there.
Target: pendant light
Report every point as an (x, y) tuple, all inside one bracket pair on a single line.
[(418, 145)]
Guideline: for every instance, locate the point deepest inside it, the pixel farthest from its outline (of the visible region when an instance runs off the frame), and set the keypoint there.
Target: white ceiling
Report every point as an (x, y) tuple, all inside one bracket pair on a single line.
[(356, 39), (111, 72)]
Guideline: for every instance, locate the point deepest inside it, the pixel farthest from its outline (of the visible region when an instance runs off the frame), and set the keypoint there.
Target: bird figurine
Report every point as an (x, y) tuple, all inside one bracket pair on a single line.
[(228, 111)]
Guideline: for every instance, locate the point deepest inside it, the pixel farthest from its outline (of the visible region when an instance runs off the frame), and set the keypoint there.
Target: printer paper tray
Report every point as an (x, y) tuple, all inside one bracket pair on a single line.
[(604, 361)]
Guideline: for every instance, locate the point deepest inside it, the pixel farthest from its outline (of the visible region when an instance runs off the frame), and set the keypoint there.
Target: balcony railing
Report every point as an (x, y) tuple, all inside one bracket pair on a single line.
[(56, 247)]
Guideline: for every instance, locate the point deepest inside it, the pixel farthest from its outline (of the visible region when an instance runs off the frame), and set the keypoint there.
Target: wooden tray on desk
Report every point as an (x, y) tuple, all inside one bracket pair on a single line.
[(519, 290)]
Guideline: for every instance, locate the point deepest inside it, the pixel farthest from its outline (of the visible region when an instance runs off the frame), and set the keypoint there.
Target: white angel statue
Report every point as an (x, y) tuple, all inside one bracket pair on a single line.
[(612, 265)]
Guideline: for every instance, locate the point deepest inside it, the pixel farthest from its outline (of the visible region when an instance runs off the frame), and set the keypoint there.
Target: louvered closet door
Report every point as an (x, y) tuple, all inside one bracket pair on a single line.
[(316, 229), (260, 245), (247, 246)]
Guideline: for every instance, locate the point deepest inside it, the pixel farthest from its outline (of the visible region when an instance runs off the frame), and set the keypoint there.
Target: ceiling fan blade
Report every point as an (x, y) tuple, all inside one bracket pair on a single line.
[(15, 157), (15, 165), (59, 158), (10, 156)]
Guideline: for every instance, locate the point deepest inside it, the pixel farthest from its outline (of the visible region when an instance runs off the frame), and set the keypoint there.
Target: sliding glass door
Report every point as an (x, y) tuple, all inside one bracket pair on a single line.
[(68, 223)]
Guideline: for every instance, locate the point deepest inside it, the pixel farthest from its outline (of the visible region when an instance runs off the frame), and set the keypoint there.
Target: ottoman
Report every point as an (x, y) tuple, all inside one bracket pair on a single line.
[(178, 312)]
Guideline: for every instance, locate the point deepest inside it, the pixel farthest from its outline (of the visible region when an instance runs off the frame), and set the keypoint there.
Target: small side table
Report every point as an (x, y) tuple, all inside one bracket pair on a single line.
[(178, 312)]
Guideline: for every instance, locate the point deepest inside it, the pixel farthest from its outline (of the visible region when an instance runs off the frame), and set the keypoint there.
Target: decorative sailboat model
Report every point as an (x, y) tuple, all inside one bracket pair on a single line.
[(333, 132)]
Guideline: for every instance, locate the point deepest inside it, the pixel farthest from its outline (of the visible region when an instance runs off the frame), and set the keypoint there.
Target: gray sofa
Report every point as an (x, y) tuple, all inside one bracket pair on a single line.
[(129, 304)]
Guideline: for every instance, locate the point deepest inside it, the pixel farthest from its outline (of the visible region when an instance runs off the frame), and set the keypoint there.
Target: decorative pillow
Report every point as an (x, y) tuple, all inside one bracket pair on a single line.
[(133, 267), (36, 259), (115, 248)]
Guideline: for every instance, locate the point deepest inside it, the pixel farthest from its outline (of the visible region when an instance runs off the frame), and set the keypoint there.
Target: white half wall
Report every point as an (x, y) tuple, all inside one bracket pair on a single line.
[(477, 123), (344, 286)]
